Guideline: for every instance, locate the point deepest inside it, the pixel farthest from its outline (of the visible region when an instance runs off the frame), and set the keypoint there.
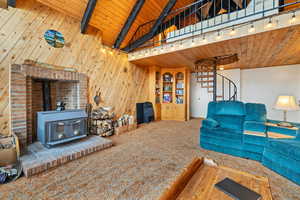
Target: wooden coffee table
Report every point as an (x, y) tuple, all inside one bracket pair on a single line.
[(197, 181)]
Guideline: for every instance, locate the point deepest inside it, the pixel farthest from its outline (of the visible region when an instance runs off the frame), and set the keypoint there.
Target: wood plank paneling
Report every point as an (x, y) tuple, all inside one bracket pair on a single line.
[(121, 83)]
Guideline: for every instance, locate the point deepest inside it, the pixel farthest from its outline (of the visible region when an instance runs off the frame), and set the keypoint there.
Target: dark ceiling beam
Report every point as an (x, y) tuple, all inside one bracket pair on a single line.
[(11, 3), (132, 16), (87, 15), (167, 9)]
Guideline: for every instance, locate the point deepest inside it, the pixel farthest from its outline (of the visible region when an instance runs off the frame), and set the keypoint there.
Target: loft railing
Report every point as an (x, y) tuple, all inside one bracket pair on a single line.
[(209, 15)]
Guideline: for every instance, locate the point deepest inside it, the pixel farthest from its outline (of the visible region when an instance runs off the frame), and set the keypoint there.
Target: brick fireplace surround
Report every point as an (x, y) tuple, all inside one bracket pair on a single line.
[(26, 99)]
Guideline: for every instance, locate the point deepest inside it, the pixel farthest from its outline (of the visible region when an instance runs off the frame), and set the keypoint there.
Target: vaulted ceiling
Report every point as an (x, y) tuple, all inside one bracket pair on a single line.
[(109, 16)]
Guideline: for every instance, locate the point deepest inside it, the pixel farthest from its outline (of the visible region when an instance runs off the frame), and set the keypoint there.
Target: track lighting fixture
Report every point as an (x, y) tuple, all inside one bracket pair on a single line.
[(232, 32), (293, 19), (251, 29), (218, 35), (270, 24), (203, 38)]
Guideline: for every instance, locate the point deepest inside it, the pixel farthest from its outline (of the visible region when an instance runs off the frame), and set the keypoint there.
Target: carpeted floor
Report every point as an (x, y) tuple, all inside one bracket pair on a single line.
[(138, 167)]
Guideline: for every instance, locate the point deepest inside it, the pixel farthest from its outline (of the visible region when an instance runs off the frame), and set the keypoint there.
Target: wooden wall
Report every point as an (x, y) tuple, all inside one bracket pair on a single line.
[(121, 83)]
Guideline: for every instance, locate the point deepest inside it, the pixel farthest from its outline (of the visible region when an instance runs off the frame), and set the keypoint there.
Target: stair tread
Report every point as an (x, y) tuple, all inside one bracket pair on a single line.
[(205, 76), (206, 81)]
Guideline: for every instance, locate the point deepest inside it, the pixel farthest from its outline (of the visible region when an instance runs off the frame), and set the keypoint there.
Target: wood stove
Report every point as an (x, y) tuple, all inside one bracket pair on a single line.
[(57, 127)]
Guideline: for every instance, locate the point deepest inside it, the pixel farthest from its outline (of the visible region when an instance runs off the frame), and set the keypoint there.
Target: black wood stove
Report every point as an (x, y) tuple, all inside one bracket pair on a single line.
[(57, 127)]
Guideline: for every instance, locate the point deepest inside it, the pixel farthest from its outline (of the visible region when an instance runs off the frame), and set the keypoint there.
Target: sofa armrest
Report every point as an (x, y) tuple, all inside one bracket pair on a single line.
[(210, 123), (255, 126)]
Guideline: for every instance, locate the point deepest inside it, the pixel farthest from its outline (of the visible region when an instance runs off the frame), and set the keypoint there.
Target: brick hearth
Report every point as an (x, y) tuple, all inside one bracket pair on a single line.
[(40, 159), (26, 97)]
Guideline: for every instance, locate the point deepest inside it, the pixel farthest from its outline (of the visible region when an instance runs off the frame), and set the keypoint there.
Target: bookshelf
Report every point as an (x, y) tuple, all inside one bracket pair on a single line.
[(167, 80), (168, 92), (174, 86), (179, 91)]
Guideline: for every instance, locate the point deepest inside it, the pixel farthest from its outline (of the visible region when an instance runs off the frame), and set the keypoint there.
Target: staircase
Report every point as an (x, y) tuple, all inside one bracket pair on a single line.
[(222, 87)]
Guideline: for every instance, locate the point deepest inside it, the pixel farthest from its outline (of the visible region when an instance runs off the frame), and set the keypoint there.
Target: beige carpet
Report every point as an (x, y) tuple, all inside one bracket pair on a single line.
[(138, 167)]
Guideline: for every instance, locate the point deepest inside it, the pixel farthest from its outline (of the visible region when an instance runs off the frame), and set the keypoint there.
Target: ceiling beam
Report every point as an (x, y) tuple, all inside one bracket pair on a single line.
[(87, 15), (167, 9), (132, 16)]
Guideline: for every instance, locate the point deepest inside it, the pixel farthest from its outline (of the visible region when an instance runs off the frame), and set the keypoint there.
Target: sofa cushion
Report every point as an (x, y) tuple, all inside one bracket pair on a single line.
[(287, 147), (256, 112), (236, 108), (231, 122), (210, 123), (255, 126)]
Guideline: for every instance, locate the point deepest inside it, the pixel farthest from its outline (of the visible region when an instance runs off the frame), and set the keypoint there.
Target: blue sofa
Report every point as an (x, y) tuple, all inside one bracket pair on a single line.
[(228, 129), (222, 131)]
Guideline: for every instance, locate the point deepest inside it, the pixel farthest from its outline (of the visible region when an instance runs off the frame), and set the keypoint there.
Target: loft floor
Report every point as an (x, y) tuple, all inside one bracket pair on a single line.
[(140, 166)]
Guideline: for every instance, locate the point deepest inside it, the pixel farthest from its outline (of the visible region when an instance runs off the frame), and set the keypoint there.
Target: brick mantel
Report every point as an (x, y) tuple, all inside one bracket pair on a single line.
[(20, 94)]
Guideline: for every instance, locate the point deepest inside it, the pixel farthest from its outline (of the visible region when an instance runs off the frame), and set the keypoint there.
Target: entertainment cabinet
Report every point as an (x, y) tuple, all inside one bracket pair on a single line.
[(169, 93)]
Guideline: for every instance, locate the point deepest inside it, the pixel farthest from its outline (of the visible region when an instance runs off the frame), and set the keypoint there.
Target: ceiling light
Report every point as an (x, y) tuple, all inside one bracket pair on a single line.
[(232, 32), (111, 52), (203, 38), (172, 47), (293, 19), (103, 50), (218, 35), (270, 24), (181, 44), (221, 68), (251, 29), (193, 41)]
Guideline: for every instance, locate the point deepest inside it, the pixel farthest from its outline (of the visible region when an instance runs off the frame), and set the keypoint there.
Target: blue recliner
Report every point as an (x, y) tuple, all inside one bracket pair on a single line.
[(222, 131)]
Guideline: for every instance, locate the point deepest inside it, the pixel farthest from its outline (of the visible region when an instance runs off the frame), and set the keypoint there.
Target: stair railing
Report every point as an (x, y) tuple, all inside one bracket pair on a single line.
[(232, 88), (222, 89)]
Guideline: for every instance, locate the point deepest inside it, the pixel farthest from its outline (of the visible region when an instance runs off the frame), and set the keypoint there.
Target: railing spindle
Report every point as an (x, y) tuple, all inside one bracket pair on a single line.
[(223, 89)]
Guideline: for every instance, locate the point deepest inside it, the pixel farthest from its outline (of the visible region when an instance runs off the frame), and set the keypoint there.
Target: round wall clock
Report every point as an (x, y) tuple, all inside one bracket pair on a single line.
[(54, 38)]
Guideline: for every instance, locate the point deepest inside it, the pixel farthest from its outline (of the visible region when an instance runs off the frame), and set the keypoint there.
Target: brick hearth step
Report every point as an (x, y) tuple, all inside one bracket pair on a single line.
[(39, 159)]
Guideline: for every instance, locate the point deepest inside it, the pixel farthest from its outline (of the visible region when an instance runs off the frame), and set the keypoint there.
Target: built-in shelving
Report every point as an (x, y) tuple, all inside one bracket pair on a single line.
[(157, 87), (167, 88), (179, 92)]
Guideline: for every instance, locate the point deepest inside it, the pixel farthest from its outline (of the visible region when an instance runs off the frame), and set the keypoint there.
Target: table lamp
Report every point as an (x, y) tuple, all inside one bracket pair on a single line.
[(286, 103)]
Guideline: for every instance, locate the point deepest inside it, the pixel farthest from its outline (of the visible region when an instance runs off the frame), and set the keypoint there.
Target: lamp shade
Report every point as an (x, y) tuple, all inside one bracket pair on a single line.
[(286, 103)]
